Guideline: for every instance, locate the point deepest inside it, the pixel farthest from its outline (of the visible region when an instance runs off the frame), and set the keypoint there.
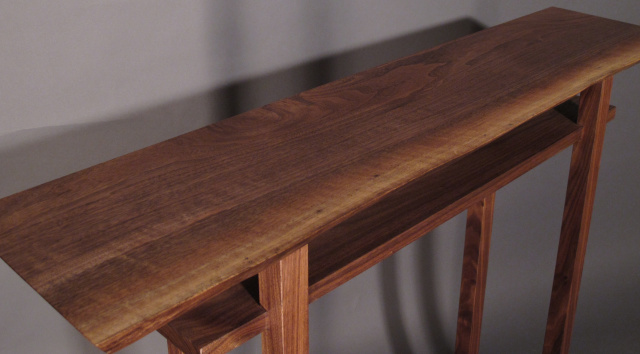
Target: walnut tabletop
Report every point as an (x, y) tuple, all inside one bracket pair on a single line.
[(122, 248)]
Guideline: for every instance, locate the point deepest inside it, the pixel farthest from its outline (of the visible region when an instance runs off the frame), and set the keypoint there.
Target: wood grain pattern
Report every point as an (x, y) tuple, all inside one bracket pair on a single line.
[(570, 110), (172, 349), (284, 293), (124, 247), (219, 325), (583, 175), (408, 213), (343, 247), (326, 250), (474, 275)]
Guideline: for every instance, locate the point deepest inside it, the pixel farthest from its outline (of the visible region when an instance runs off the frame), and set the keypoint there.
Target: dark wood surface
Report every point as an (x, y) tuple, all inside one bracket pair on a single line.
[(172, 349), (220, 324), (122, 248), (284, 293), (581, 190), (384, 228), (474, 275), (407, 213)]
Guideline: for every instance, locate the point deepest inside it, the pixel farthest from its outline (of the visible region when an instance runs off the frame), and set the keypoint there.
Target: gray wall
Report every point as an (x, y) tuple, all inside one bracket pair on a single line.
[(83, 81)]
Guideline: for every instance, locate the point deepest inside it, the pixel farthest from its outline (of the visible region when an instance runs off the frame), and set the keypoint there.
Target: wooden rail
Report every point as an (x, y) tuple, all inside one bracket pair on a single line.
[(231, 230)]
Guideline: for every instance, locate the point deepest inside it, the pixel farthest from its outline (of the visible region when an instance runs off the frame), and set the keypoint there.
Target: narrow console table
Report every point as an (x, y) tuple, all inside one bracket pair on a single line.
[(230, 231)]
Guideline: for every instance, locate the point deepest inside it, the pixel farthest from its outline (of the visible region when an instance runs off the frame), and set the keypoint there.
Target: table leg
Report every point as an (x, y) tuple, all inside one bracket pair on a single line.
[(173, 349), (284, 293), (583, 175), (474, 275)]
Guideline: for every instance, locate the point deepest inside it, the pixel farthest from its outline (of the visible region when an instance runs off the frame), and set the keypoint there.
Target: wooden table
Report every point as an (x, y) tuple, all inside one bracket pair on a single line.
[(231, 230)]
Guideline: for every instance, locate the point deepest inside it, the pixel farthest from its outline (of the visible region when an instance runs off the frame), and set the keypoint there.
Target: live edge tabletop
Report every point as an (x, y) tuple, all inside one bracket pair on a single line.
[(122, 248)]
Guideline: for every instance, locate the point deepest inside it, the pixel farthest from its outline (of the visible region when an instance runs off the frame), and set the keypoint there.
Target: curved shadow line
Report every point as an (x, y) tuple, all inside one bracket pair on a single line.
[(431, 314), (392, 309)]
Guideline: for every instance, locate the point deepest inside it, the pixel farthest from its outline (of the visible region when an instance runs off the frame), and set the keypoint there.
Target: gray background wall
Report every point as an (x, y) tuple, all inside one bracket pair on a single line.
[(83, 81)]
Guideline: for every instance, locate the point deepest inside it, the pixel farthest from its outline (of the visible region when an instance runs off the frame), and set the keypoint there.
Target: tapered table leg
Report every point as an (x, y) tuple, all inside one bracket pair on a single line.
[(474, 275), (583, 175), (284, 293), (173, 349)]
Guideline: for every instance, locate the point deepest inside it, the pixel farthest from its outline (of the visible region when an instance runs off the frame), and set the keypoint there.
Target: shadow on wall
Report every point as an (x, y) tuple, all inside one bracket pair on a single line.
[(438, 339), (32, 157)]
